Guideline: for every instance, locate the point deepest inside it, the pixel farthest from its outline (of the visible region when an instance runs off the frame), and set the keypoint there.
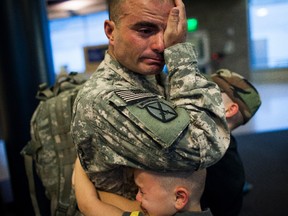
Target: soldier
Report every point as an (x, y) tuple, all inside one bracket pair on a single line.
[(126, 115), (225, 179), (223, 192)]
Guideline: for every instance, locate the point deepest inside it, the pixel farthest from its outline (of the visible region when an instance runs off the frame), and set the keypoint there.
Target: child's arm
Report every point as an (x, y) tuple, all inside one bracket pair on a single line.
[(89, 202)]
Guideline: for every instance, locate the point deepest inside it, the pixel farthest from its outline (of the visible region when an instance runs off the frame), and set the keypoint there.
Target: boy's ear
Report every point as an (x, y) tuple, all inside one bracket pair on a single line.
[(109, 27), (182, 198), (232, 110)]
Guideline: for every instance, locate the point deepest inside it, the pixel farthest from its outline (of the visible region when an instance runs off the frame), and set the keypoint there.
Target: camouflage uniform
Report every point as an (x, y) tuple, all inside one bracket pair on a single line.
[(122, 118)]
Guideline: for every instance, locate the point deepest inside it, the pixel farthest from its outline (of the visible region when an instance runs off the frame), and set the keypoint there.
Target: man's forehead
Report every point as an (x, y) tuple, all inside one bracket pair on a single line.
[(160, 1), (145, 16), (142, 3)]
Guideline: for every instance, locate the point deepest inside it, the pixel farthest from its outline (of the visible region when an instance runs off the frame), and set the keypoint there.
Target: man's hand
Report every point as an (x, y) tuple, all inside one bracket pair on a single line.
[(176, 30)]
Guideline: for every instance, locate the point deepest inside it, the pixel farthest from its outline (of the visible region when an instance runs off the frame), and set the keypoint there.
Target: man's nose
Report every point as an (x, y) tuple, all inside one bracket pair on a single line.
[(157, 43)]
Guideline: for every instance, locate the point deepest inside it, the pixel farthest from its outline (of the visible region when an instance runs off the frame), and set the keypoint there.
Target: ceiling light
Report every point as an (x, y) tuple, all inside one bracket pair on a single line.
[(75, 4)]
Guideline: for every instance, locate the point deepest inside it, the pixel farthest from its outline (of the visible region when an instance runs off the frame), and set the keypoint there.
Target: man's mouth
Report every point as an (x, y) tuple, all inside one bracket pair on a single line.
[(154, 60)]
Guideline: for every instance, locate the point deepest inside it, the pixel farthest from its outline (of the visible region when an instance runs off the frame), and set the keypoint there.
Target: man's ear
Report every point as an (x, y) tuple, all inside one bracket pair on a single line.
[(232, 110), (182, 198), (109, 27)]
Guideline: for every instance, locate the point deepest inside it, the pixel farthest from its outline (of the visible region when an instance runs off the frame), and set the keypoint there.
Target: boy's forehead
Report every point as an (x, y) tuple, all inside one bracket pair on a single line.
[(142, 176), (138, 177)]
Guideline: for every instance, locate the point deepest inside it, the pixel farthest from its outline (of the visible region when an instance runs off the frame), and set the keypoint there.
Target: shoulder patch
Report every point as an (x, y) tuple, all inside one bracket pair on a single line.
[(163, 122), (156, 116), (159, 110)]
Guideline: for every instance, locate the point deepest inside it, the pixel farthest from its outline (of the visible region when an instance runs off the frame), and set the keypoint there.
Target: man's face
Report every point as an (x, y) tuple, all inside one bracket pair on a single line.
[(137, 40), (154, 199)]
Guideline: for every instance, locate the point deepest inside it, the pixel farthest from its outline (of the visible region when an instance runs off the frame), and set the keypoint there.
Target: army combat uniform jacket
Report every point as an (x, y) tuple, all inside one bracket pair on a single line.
[(122, 118)]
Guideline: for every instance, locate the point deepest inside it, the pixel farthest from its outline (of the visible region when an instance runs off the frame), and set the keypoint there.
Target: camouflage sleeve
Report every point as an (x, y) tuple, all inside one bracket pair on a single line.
[(189, 89)]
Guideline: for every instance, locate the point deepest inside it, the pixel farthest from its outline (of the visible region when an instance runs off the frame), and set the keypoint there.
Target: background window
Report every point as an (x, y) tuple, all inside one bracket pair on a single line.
[(268, 34), (70, 35)]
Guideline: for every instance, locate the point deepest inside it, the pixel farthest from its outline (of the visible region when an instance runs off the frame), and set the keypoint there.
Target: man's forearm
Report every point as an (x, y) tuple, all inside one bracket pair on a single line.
[(189, 89)]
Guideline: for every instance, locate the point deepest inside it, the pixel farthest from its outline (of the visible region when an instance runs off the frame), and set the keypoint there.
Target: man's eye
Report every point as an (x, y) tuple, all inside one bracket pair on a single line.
[(145, 31)]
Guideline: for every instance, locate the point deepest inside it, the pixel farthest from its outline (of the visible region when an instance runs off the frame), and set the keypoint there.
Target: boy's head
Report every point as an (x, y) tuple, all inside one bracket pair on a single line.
[(239, 91), (167, 193)]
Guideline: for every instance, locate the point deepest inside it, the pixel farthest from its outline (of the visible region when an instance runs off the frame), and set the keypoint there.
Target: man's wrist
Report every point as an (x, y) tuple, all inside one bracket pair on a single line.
[(185, 52)]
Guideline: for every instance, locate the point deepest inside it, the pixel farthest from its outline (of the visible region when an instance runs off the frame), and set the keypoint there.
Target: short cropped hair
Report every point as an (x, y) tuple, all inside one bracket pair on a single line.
[(114, 9), (194, 181)]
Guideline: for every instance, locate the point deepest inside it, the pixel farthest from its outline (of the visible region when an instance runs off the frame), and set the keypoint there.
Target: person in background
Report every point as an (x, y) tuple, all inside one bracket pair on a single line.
[(159, 194), (126, 115), (223, 192)]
